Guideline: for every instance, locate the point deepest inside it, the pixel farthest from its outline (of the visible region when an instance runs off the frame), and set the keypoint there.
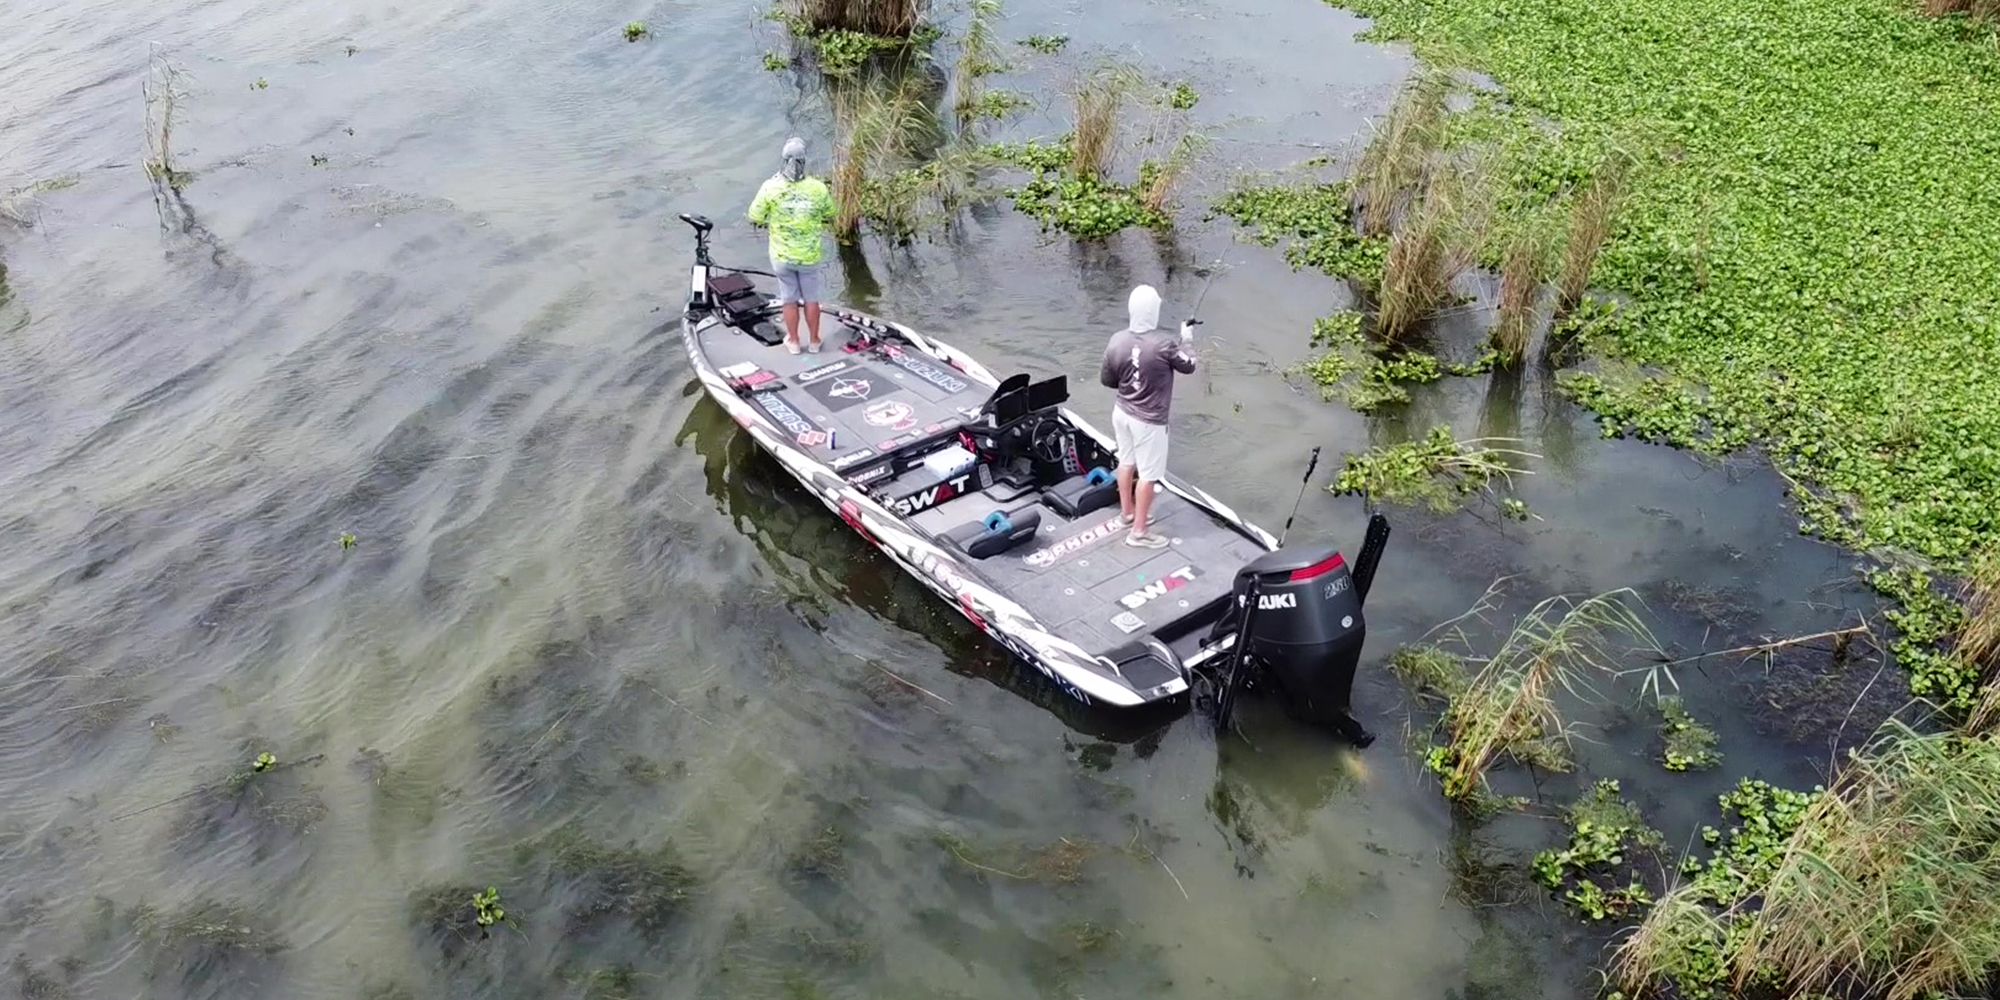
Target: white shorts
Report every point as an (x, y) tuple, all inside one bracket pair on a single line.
[(1140, 444)]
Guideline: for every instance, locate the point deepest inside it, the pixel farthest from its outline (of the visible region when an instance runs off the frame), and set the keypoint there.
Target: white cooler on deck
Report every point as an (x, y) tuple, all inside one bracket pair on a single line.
[(948, 462)]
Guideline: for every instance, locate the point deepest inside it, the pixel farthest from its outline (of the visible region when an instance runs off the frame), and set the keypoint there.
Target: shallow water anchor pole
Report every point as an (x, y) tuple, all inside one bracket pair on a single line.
[(1303, 483)]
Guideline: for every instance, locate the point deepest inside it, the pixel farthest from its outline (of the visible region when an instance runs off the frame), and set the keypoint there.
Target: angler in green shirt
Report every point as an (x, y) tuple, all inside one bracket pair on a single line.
[(798, 209)]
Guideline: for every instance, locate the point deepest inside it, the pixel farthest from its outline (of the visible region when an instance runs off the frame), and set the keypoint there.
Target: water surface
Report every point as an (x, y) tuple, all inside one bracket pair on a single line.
[(580, 601)]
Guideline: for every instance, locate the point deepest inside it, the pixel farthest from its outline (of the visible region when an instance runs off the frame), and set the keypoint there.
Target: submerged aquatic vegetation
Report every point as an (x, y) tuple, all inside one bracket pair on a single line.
[(1436, 470), (1780, 257), (650, 887), (821, 855), (1045, 44), (1060, 861), (18, 206), (1604, 829), (1182, 97), (636, 30), (208, 931), (1686, 743)]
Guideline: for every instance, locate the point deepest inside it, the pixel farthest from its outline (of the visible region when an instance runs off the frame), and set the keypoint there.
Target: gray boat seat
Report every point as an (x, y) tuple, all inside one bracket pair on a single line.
[(996, 532), (1079, 496)]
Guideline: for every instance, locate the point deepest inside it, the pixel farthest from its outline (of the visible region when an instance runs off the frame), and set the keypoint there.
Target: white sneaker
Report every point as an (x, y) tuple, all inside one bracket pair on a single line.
[(813, 348), (1146, 541), (1124, 520), (792, 346)]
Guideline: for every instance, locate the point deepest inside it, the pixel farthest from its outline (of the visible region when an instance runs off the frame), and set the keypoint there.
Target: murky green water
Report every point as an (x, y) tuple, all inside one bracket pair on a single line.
[(580, 605)]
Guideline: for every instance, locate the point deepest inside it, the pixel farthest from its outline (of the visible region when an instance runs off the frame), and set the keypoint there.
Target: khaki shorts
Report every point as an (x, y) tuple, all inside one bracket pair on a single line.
[(1140, 444)]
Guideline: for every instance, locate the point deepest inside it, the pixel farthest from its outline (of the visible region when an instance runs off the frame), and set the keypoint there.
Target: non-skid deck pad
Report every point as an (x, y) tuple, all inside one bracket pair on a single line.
[(1082, 581), (846, 407)]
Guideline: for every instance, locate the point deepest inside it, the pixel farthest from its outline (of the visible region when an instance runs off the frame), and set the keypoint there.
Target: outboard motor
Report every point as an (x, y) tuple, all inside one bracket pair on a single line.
[(1298, 620)]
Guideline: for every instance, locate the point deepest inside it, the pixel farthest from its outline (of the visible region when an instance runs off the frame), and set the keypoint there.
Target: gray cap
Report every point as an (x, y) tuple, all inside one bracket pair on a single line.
[(795, 148)]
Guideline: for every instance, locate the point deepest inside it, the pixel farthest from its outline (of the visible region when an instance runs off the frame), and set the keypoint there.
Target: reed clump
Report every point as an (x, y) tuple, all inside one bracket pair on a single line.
[(1158, 179), (1099, 97), (1395, 165), (1508, 709), (874, 127), (1433, 246), (1979, 638), (1982, 10), (979, 57), (1593, 211), (1887, 885), (888, 18), (1520, 290)]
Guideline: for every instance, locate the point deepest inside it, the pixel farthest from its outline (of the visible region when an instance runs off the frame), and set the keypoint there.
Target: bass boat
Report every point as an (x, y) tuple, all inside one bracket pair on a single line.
[(998, 497)]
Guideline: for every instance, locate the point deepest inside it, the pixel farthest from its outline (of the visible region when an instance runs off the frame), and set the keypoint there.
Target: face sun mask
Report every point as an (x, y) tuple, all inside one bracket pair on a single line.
[(795, 160)]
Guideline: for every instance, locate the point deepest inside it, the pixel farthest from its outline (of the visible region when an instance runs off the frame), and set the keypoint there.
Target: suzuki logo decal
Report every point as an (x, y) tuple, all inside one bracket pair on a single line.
[(1273, 602)]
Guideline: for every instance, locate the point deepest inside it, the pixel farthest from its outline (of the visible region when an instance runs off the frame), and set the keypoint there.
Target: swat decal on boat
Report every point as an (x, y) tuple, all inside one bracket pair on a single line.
[(1159, 588), (931, 496)]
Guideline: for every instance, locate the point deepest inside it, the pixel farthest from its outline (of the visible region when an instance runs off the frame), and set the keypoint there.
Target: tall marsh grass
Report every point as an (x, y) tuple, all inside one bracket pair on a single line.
[(1098, 96), (1396, 162), (1520, 290), (1892, 884), (979, 55), (874, 126), (1508, 709), (887, 18), (1434, 244), (1593, 211)]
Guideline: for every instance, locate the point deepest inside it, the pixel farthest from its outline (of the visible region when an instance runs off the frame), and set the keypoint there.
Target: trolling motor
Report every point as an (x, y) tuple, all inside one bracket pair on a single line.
[(1296, 616)]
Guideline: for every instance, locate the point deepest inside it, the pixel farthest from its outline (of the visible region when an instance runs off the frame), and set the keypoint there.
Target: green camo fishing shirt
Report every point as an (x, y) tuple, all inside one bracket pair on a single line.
[(798, 213)]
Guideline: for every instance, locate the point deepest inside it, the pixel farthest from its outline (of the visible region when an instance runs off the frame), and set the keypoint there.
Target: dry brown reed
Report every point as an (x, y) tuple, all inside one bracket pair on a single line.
[(1395, 164), (888, 18), (1593, 211), (1520, 290)]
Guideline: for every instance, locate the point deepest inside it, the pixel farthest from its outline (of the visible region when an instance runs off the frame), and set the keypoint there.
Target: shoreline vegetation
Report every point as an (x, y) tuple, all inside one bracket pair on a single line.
[(911, 101), (1725, 227)]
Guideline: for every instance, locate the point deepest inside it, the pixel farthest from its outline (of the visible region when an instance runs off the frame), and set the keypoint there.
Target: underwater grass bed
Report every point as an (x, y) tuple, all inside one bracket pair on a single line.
[(1810, 234)]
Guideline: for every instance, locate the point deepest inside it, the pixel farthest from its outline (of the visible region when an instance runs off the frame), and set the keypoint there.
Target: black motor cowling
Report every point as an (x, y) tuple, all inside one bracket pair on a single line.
[(1306, 631), (1297, 616)]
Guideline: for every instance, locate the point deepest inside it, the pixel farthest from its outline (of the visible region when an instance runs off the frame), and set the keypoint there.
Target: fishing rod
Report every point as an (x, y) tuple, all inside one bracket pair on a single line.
[(1303, 483), (1214, 271)]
